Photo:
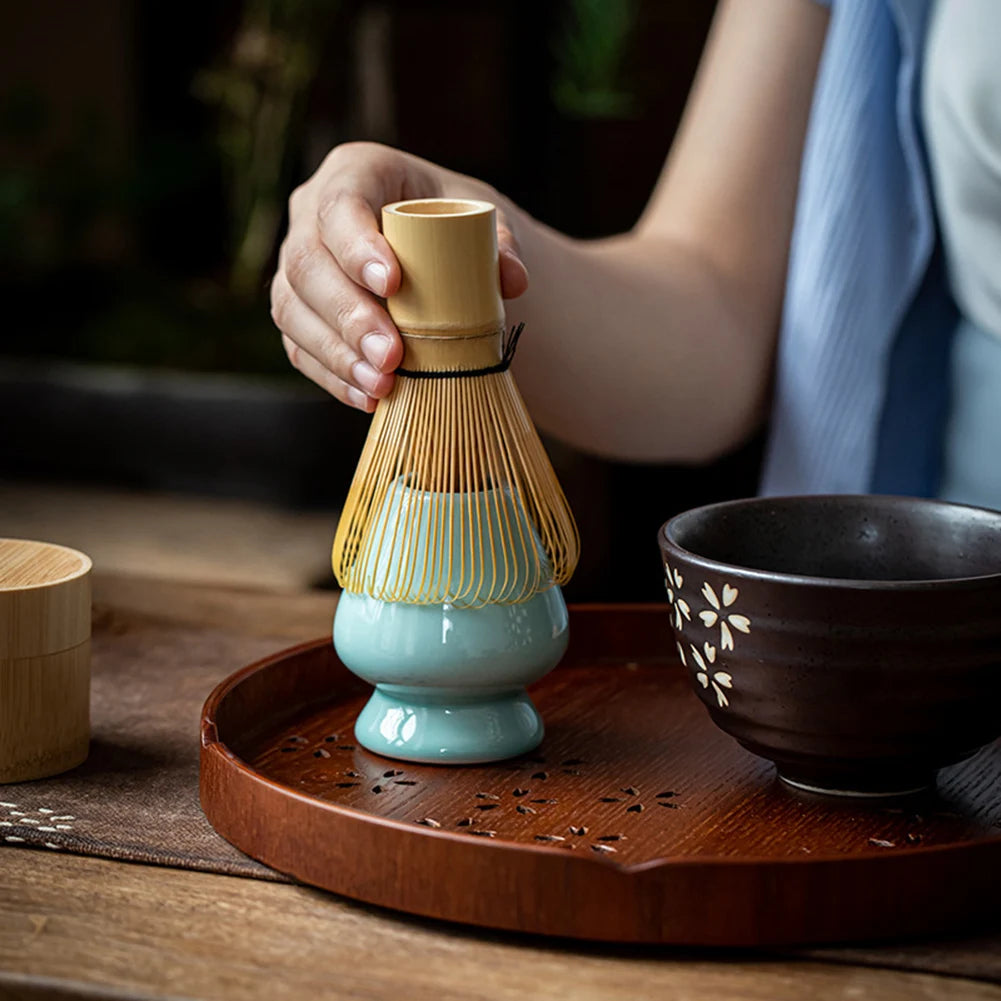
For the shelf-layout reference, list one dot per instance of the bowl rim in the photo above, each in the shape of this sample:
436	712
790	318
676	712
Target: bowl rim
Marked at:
668	542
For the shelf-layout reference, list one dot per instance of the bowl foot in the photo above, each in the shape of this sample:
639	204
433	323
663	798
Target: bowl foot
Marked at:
849	789
448	726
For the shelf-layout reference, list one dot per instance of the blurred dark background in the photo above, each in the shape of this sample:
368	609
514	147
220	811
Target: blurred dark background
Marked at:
148	150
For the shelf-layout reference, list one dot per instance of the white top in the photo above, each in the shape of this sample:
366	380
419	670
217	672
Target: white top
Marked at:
962	116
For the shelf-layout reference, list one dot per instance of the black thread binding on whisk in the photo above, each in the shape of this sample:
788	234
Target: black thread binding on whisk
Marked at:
507	356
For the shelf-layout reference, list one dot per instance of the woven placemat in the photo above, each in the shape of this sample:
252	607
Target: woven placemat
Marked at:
136	797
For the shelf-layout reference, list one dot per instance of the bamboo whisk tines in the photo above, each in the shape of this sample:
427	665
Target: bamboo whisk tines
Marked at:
454	499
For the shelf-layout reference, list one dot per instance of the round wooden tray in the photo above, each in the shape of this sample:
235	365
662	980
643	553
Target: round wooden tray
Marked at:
637	820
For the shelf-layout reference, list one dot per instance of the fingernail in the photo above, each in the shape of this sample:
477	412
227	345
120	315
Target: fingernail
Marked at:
375	275
365	376
357	398
376	348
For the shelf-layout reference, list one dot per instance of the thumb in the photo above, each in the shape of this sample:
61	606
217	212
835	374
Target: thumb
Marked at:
513	273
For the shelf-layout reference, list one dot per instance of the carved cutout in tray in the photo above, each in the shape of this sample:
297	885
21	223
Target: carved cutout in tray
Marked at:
637	820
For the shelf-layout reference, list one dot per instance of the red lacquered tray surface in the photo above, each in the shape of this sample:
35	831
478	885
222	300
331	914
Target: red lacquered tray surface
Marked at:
637	820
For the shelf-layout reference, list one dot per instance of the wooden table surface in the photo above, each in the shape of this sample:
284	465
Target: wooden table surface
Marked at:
75	927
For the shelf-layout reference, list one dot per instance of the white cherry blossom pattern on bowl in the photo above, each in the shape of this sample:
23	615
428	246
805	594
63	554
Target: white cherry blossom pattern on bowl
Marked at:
717	614
705	671
673	582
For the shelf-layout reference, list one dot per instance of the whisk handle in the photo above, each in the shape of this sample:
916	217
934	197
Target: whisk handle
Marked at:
447	249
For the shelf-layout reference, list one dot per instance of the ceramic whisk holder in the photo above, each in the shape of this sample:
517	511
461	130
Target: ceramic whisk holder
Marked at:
450	677
450	682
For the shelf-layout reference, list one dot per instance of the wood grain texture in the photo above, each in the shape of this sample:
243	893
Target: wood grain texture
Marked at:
44	714
192	540
80	927
254	613
638	820
25	563
44	598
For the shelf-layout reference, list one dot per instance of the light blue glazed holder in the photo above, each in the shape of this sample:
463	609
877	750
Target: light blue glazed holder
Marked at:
450	677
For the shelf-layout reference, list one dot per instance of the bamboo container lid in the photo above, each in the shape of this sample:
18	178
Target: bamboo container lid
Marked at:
45	610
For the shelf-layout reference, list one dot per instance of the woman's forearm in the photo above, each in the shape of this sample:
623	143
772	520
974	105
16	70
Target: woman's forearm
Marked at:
636	349
658	344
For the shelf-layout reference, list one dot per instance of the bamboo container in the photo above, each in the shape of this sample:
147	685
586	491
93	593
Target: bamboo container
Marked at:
45	611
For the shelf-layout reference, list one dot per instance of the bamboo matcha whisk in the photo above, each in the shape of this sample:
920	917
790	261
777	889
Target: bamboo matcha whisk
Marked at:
454	499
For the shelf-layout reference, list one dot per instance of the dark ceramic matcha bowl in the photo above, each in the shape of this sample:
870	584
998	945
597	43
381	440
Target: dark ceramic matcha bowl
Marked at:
854	641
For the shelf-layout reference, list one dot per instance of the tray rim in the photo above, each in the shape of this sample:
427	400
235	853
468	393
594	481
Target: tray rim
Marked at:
211	743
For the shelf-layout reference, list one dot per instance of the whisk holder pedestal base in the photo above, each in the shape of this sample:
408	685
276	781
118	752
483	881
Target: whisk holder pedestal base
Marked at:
448	726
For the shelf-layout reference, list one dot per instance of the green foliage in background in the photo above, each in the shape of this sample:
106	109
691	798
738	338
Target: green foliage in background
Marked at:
73	284
49	205
592	66
99	265
73	215
260	90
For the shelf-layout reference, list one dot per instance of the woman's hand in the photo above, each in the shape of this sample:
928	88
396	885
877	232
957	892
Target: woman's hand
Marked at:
334	266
